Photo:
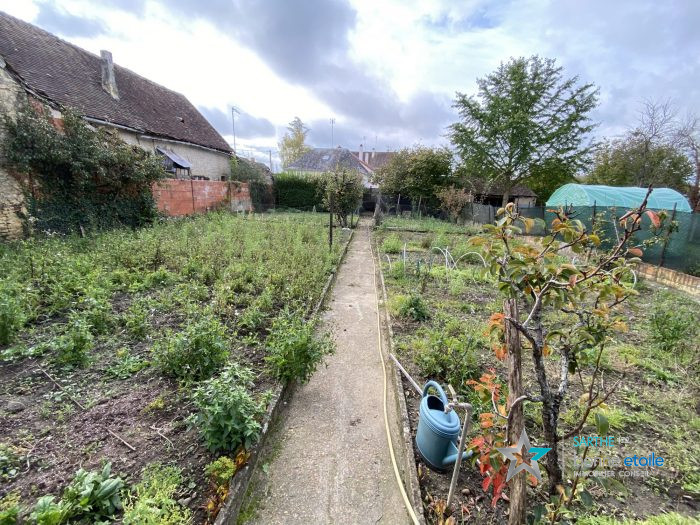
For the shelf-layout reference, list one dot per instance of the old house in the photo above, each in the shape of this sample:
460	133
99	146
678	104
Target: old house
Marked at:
374	159
39	68
322	160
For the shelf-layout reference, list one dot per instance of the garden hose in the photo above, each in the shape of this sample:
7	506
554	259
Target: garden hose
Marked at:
399	481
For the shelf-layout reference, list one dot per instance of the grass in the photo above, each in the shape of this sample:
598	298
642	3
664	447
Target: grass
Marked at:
153	314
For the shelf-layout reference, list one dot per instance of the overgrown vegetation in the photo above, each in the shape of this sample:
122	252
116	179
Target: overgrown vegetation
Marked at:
153	501
197	299
299	191
79	178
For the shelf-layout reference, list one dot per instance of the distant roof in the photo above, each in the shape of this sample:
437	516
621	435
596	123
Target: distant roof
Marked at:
374	159
326	159
623	197
72	77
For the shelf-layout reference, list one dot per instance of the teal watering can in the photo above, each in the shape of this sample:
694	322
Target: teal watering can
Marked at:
437	437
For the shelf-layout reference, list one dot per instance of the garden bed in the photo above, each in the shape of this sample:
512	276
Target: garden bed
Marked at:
438	319
103	344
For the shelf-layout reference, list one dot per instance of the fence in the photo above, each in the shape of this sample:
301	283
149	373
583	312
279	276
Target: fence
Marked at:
679	250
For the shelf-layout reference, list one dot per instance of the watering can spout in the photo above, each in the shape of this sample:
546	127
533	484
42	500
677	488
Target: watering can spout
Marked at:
451	458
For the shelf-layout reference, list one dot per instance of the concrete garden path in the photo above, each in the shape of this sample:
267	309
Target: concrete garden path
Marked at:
328	460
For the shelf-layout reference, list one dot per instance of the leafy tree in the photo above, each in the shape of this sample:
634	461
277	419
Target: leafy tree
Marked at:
245	170
453	200
585	297
417	172
345	188
549	176
632	161
293	144
526	116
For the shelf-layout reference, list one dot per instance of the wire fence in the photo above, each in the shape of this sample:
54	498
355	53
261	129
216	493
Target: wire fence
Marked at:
677	248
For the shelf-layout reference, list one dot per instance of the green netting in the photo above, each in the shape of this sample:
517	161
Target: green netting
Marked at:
610	196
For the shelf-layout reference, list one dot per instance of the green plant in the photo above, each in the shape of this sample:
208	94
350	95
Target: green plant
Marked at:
410	307
392	244
10	509
117	191
12	317
227	413
672	329
135	320
153	501
126	364
90	496
73	347
195	353
343	188
221	470
294	351
298	191
447	357
10	458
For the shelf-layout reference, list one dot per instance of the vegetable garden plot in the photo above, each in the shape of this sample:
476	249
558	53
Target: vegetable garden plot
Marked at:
439	317
149	350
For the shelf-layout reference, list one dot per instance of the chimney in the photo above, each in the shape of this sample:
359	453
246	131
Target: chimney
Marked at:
361	153
109	84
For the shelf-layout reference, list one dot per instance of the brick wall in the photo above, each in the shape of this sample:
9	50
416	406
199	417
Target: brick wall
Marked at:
183	197
672	278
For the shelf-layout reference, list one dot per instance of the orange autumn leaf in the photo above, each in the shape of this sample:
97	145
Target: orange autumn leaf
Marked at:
654	218
546	350
635	251
500	351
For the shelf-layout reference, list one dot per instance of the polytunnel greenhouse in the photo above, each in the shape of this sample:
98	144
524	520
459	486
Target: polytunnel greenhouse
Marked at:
610	196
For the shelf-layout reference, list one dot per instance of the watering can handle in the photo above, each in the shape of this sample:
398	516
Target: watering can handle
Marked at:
437	387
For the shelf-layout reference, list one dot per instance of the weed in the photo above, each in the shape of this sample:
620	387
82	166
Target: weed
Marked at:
195	353
73	347
12	317
409	307
126	364
392	244
155	405
135	320
10	509
294	351
10	459
227	413
91	496
672	329
152	501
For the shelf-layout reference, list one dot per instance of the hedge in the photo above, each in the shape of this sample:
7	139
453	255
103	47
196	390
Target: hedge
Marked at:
302	192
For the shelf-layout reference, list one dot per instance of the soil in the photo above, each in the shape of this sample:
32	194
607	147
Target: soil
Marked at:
55	437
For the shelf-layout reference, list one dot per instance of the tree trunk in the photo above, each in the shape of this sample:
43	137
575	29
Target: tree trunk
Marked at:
550	418
518	489
506	196
378	210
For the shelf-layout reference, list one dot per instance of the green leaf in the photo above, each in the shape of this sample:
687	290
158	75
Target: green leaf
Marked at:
601	423
586	498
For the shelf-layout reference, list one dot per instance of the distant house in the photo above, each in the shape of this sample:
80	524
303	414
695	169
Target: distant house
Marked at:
321	160
374	159
39	68
492	194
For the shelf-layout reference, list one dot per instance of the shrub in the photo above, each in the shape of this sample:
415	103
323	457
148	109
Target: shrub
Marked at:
221	470
450	358
409	307
453	201
392	244
344	187
294	351
152	501
126	364
135	320
298	191
227	413
670	329
73	347
194	353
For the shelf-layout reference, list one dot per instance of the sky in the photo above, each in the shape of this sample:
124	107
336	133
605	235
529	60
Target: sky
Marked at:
385	71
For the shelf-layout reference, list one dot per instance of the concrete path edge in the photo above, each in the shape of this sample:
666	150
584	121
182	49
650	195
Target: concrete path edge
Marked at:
409	471
240	482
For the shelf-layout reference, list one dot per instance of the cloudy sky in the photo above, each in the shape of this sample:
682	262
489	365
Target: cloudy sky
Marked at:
385	71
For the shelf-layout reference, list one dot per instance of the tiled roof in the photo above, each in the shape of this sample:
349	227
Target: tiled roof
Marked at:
374	159
71	77
326	159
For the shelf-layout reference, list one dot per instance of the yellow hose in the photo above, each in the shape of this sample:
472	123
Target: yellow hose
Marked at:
406	501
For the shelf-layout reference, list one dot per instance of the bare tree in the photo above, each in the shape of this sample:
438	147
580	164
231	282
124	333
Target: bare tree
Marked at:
688	138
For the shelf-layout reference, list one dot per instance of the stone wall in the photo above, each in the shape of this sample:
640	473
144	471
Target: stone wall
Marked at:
208	163
185	197
12	206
